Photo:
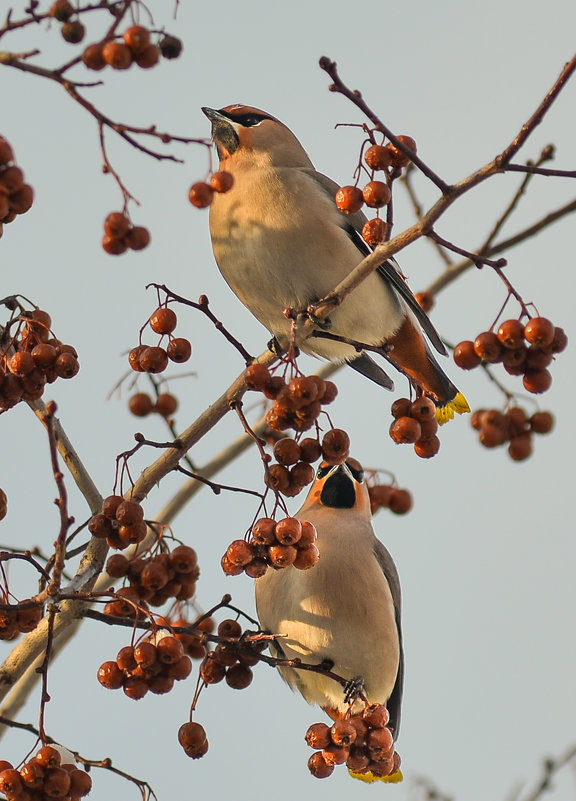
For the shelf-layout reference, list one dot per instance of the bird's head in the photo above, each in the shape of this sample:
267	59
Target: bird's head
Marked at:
340	487
241	132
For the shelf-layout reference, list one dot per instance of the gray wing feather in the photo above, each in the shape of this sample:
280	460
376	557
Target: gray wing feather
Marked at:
390	270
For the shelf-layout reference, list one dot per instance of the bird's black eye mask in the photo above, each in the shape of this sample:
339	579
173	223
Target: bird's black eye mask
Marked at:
357	473
247	120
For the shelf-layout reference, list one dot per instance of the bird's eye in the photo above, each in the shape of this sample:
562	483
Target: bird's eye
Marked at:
323	470
250	120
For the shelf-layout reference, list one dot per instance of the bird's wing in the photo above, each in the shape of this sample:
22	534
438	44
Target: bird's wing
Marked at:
389	569
390	270
367	367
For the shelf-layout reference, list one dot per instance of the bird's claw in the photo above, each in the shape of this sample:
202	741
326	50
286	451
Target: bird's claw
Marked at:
353	689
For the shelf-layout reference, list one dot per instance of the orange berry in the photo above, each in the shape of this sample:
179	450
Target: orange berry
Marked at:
488	347
110	675
6	153
378	157
541	422
141	404
465	355
539	331
136	38
397	157
520	447
306	557
537	381
318	735
201	195
288	531
92	57
240	553
222	181
400	501
343	733
117	55
318	766
264	531
179	350
376	194
405	430
117	224
423	409
373	232
349	199
282	555
153	360
11	179
335	446
163	320
239	676
166	404
511	334
426	448
114	246
425	300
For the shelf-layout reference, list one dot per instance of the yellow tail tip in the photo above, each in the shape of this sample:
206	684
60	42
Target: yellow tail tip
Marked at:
458	405
393	778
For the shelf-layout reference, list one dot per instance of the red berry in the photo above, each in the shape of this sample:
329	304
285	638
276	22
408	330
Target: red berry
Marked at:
166	404
179	350
465	355
397	157
117	224
137	38
511	334
400	501
488	347
201	195
117	55
141	404
405	430
373	232
376	194
539	331
222	181
537	381
335	446
378	157
541	422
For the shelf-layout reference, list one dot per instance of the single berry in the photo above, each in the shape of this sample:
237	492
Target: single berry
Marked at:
73	32
377	157
136	38
511	334
465	355
376	194
179	350
539	331
222	181
141	404
373	232
117	55
201	195
170	46
349	199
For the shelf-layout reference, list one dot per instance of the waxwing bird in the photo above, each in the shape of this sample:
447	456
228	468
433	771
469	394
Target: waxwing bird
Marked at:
345	610
280	242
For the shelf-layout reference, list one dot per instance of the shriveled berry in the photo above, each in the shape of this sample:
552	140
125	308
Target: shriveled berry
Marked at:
257	376
134	358
80	783
397	157
560	340
192	736
343	733
110	504
349	199
377	157
302	474
201	195
318	735
179	350
129	512
211	671
240	553
373	232
257	567
110	675
278	477
183	559
318	766
288	531
11	784
287	451
376	194
376	716
380	743
264	531
306	557
170	46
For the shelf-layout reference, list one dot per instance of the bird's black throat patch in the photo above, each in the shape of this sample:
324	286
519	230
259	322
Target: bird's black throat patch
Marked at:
338	492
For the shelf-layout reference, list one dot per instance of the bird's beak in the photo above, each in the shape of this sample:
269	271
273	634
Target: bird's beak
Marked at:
223	132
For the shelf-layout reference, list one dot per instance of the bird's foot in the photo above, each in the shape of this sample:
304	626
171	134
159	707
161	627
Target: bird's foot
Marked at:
354	689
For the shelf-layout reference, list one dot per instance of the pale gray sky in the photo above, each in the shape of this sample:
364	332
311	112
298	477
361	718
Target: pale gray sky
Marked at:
487	556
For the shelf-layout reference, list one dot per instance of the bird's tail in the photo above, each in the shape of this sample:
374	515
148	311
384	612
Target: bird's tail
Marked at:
411	355
393	778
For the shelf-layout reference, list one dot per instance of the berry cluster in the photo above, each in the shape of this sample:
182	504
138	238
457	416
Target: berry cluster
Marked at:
201	194
155	579
38	359
16	197
415	424
513	427
141	404
272	544
525	350
72	30
44	777
192	738
135	46
362	741
121	523
19	618
232	660
154	359
297	404
293	468
151	665
376	194
120	235
387	496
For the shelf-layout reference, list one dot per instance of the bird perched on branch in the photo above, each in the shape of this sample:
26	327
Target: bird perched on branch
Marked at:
281	242
344	611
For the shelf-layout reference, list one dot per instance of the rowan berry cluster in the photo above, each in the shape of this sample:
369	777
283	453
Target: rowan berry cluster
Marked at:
120	235
233	660
272	544
387	496
375	194
525	350
512	426
32	358
16	197
154	579
192	738
154	358
415	424
44	777
134	46
153	665
141	404
297	404
121	523
362	742
19	618
293	468
201	193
